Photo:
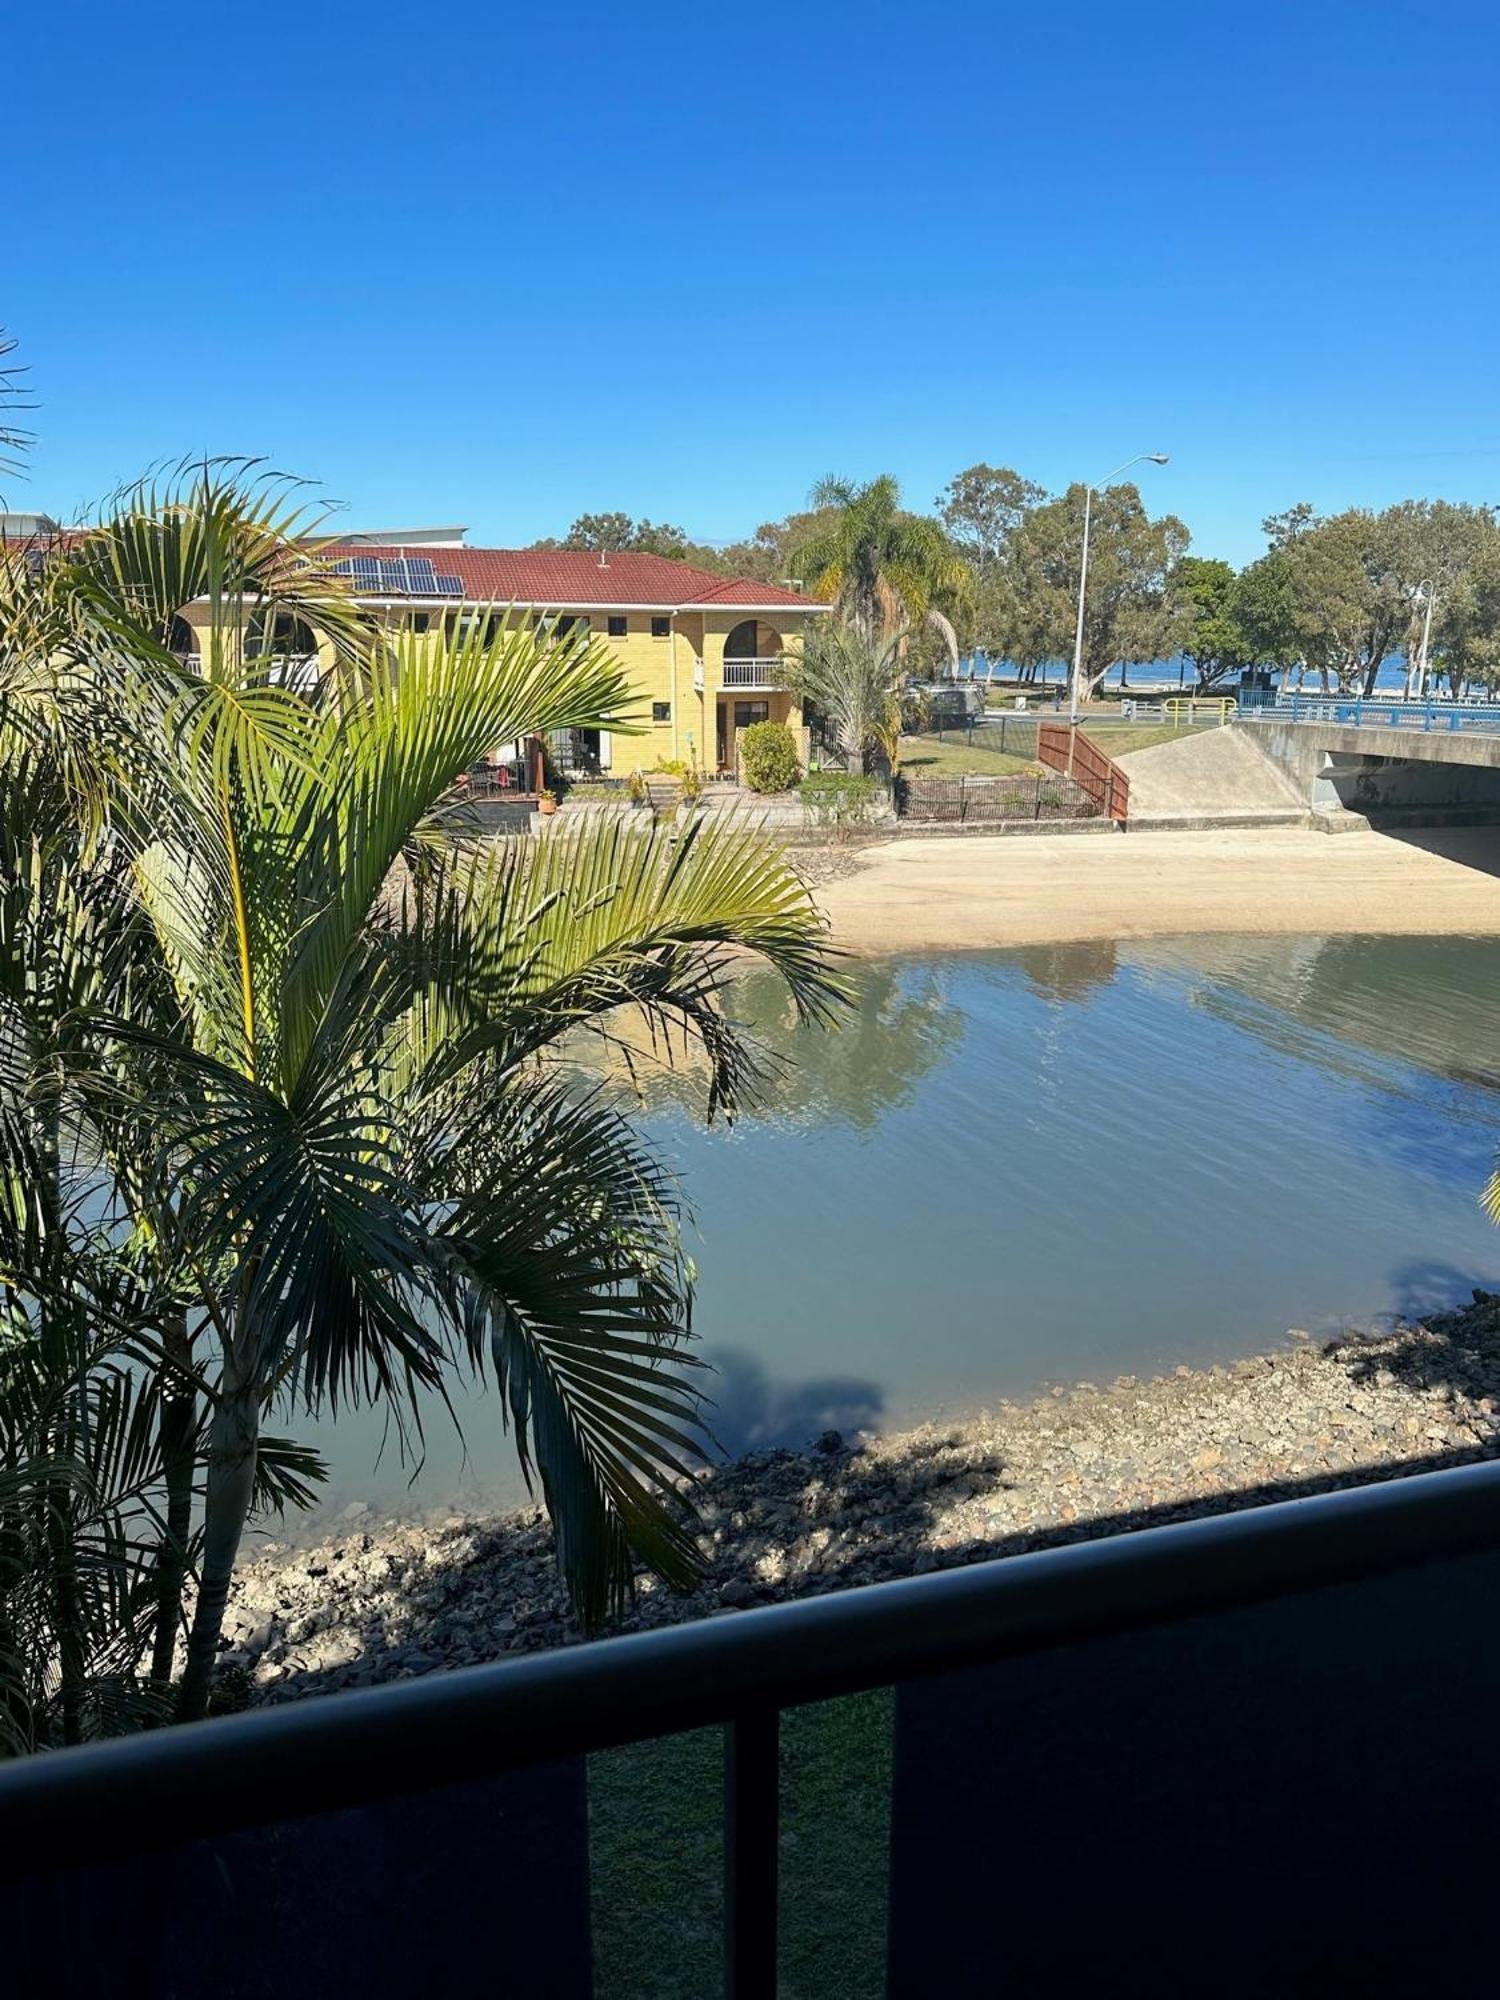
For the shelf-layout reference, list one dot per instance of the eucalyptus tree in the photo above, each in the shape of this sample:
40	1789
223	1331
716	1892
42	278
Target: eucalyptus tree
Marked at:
883	567
1357	580
1216	640
1132	614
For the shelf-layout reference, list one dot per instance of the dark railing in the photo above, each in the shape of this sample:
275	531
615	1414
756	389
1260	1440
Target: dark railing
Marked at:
969	799
1064	747
1181	1688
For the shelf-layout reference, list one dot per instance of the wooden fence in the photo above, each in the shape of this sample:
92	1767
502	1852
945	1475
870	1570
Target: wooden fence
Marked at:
1063	748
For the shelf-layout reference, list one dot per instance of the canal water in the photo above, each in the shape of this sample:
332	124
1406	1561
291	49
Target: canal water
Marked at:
1016	1168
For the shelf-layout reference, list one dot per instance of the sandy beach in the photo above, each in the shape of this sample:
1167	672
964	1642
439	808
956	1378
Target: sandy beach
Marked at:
920	895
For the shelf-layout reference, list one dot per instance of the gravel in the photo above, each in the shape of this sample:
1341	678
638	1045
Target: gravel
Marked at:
380	1603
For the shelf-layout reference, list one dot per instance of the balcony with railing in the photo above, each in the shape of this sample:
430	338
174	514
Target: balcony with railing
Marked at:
1260	1742
761	673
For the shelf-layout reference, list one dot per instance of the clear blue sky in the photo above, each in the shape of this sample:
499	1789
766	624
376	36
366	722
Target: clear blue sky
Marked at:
499	266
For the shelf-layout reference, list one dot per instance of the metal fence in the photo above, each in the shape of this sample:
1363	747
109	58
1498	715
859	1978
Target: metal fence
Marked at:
1385	713
1262	1741
969	800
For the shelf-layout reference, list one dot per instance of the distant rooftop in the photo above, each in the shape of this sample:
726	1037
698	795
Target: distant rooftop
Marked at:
556	579
406	538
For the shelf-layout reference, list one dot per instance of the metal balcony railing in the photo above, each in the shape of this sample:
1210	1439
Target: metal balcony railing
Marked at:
761	673
1267	1734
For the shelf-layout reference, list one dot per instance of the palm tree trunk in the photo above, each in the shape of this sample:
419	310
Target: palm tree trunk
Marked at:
231	1481
179	1428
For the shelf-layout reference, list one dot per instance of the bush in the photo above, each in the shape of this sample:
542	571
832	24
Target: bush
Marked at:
768	757
841	800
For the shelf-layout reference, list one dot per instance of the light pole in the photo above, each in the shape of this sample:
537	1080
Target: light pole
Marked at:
1141	458
1426	594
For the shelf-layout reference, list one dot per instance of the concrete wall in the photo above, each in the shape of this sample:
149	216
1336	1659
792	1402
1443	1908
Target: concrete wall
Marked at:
1340	768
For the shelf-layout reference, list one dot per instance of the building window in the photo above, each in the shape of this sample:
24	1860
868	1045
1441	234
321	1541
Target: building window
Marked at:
618	626
661	628
748	712
661	711
420	621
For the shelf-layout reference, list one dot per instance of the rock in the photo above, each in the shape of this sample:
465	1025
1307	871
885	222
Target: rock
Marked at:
356	1510
736	1593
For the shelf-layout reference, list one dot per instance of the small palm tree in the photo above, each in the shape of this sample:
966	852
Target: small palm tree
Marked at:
884	568
853	683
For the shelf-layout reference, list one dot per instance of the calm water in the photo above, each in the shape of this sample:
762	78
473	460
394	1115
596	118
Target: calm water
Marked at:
1062	1163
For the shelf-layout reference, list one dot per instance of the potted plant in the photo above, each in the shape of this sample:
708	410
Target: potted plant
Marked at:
546	800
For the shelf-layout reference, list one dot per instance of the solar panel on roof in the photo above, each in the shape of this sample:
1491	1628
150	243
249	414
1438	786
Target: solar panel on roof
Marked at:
449	586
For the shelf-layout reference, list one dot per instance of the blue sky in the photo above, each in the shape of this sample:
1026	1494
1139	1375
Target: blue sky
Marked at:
499	267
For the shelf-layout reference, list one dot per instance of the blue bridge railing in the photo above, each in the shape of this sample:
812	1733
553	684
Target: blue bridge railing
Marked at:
1382	712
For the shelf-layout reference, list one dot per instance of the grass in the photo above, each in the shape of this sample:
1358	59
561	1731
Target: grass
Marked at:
656	1849
953	756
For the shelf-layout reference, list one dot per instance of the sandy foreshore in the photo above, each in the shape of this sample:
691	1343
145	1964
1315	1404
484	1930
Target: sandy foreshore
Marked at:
932	894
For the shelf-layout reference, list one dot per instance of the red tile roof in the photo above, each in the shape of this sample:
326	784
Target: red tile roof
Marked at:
560	578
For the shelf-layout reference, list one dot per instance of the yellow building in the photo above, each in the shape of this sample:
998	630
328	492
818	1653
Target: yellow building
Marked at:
704	653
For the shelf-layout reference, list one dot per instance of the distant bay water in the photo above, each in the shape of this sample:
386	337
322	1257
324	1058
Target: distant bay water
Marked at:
1173	673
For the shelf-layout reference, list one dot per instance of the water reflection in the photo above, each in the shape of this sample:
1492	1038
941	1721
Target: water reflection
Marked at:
1056	1164
752	1409
1069	971
900	1026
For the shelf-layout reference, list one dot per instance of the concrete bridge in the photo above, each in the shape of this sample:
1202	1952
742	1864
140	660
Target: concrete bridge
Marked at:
1417	762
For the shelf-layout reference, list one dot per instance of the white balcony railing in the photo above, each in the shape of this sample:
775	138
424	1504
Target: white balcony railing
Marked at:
766	673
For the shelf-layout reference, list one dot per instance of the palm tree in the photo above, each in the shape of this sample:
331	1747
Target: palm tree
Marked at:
340	1131
102	1426
884	568
330	1148
853	683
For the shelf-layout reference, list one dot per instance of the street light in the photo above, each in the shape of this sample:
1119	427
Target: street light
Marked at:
1141	458
1425	595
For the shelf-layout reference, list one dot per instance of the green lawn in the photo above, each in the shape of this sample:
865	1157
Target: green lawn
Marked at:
656	1848
952	755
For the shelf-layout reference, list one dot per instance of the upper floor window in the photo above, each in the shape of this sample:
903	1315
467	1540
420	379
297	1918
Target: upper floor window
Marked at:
279	635
661	628
472	625
560	626
182	640
619	625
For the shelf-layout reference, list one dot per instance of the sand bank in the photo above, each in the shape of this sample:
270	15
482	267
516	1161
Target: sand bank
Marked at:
924	895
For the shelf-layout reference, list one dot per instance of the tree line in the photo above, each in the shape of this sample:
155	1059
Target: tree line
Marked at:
995	566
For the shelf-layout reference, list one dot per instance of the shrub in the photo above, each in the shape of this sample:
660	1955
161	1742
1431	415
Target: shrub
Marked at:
768	757
841	800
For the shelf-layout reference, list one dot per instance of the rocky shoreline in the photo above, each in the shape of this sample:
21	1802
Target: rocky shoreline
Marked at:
366	1607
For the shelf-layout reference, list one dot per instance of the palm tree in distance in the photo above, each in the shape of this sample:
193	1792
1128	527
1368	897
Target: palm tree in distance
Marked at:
885	569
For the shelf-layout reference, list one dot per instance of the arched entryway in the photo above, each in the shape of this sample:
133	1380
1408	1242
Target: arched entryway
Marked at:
753	639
